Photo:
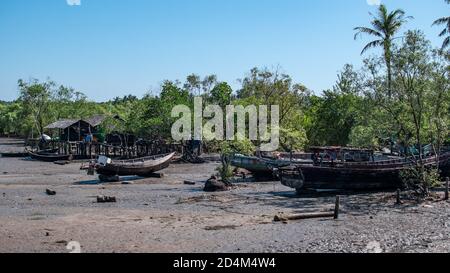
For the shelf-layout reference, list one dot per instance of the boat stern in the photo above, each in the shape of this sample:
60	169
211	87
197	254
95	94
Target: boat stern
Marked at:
291	177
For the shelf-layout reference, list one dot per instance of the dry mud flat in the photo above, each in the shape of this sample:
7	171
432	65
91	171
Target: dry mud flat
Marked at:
164	215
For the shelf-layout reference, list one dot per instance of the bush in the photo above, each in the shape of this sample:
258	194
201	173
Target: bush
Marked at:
420	179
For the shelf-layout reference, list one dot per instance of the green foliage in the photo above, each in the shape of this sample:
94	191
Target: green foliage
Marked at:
446	31
225	170
420	179
334	117
293	140
384	27
36	98
221	95
238	146
363	137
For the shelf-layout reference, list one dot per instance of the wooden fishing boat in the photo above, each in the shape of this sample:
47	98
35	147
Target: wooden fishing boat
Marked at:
258	165
145	166
13	154
49	157
26	153
354	176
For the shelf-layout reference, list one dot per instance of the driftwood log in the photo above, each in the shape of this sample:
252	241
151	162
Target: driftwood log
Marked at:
313	215
304	216
188	182
62	162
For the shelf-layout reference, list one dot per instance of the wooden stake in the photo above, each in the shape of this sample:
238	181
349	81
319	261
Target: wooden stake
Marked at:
446	188
336	208
399	202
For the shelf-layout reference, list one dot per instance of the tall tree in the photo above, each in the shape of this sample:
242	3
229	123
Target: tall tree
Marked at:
221	94
421	87
36	97
384	27
446	32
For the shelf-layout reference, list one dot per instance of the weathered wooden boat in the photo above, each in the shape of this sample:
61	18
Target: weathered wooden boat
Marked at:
26	153
14	154
354	176
145	166
48	152
258	165
48	157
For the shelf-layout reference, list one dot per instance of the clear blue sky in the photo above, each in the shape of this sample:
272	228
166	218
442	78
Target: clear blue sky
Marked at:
108	48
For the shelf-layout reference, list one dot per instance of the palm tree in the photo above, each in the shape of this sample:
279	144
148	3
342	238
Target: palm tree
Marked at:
444	21
384	27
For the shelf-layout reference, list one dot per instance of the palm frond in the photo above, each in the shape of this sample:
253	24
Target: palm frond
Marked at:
366	30
372	44
442	21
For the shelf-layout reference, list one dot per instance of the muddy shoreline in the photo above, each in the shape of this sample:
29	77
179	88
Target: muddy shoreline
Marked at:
165	215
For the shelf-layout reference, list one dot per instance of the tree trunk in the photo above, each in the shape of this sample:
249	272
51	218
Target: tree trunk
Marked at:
389	72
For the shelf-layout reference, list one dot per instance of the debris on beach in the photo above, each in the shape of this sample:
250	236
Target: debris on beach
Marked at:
155	175
189	182
213	185
202	198
106	199
50	192
215	228
62	162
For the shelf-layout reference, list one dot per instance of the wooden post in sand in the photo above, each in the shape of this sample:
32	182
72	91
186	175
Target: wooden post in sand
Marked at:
336	208
399	202
446	188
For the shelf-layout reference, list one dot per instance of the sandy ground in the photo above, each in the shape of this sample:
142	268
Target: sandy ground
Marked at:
164	215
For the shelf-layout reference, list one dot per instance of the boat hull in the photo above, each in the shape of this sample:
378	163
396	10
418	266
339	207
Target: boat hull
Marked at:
311	177
49	157
258	166
354	176
144	169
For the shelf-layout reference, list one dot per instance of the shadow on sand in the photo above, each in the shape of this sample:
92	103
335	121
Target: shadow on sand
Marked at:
122	180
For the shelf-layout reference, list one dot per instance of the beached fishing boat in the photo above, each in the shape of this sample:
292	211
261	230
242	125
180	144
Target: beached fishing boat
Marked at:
14	154
26	153
354	176
49	157
145	166
258	165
